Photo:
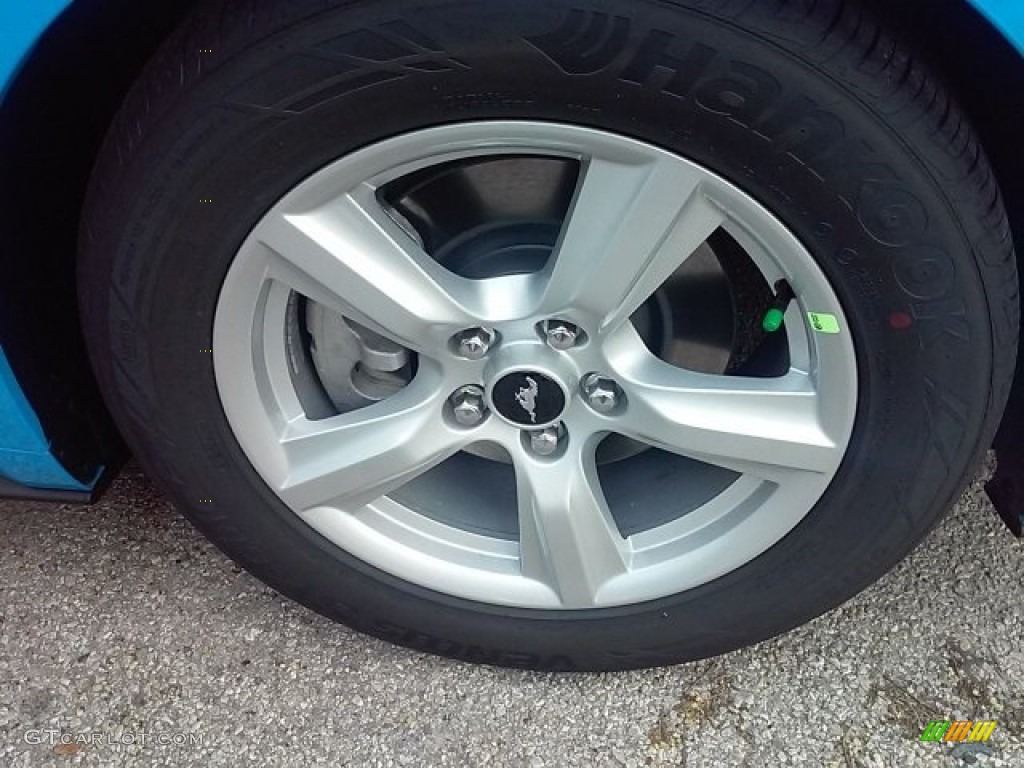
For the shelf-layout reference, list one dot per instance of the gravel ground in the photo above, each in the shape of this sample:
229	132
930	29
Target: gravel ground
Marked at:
120	624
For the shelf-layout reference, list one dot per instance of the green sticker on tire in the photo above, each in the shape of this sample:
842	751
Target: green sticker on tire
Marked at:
823	323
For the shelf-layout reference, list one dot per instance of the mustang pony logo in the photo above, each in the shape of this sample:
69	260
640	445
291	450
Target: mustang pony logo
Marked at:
527	397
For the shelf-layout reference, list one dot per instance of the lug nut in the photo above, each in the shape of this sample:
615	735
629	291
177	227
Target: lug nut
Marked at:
474	343
468	406
603	394
544	442
561	335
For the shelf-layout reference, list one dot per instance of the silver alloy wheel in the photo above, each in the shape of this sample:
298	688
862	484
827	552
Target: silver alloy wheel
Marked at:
639	212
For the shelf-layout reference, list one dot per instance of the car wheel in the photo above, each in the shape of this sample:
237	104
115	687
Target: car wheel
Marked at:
584	336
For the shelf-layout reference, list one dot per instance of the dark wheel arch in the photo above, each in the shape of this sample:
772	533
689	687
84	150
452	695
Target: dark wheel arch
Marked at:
52	121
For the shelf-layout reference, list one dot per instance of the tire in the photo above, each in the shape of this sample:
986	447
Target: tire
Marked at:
809	114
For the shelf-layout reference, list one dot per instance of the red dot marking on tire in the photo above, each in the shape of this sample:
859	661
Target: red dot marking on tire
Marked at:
900	321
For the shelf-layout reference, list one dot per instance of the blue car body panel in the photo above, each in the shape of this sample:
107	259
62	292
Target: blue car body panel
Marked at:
25	455
25	452
1007	16
21	24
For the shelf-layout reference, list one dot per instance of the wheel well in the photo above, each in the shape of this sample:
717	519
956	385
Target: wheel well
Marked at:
987	82
58	110
52	122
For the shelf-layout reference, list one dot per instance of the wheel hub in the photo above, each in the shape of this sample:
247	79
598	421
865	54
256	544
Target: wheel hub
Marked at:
529	399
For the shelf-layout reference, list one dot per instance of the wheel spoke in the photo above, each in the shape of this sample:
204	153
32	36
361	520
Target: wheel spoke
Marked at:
568	539
771	428
630	227
351	459
348	255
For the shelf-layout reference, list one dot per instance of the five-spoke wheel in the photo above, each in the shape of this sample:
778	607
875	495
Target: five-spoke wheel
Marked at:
538	366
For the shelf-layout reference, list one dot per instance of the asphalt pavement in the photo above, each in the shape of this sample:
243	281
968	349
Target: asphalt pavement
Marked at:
127	639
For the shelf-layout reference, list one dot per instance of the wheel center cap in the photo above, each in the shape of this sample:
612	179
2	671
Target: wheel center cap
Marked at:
528	398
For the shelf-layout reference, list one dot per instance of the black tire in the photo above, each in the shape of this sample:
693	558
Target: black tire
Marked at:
809	107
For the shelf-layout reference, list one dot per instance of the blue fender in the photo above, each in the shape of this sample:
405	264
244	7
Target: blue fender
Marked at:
1005	15
25	452
21	25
